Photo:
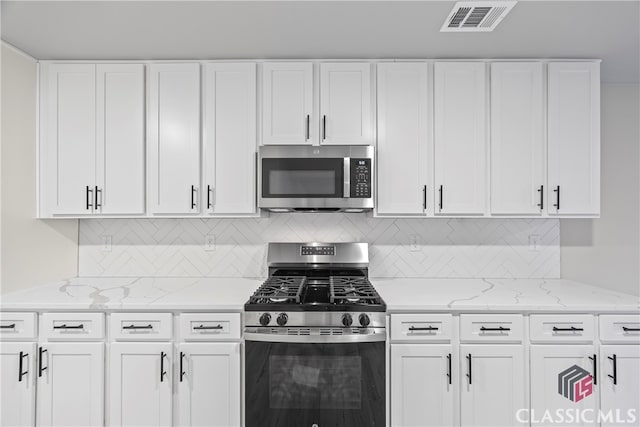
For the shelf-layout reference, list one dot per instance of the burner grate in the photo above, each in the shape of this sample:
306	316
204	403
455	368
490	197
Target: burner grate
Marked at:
352	290
279	289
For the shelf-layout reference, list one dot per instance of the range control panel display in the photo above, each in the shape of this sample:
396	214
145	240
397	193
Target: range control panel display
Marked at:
318	250
360	178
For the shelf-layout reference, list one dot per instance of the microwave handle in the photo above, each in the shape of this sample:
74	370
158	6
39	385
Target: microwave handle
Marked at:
346	189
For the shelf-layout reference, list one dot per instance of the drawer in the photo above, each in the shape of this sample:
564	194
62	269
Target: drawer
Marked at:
491	328
621	328
209	326
141	326
71	326
18	326
421	327
561	328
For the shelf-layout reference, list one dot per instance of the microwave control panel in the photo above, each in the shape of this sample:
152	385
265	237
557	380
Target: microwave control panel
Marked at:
360	178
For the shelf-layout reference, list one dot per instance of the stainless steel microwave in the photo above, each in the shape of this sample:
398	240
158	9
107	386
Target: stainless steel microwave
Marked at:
315	178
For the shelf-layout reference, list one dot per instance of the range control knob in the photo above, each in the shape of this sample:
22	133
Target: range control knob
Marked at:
265	319
282	319
347	320
364	320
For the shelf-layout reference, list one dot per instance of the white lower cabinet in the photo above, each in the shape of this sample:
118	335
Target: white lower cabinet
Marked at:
209	384
70	379
619	384
17	385
140	384
422	387
563	383
492	379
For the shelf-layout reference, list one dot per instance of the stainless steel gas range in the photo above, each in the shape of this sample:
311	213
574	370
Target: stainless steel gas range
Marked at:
315	340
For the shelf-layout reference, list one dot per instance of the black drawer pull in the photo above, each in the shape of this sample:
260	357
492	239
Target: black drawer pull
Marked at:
626	329
205	328
557	203
134	327
469	367
594	359
614	377
162	371
424	197
449	367
307	133
541	191
182	373
65	326
11	326
571	329
425	328
41	369
498	329
23	373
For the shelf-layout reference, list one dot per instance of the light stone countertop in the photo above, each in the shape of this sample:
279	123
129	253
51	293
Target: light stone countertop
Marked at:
411	295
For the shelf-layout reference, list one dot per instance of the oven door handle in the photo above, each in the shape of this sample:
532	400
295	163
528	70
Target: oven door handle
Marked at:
346	189
375	336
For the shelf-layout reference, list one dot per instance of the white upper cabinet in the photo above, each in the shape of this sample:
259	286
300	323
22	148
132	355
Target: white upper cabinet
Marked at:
574	138
345	104
92	139
404	155
460	126
287	103
174	139
229	112
517	140
68	139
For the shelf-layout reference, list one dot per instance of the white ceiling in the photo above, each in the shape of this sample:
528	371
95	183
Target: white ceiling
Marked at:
88	30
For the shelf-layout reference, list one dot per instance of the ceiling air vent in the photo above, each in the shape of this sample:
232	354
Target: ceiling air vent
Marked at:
477	16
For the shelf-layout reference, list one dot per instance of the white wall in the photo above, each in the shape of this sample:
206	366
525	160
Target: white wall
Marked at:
33	251
606	251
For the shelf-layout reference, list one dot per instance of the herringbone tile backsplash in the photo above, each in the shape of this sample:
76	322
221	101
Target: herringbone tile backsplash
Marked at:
482	247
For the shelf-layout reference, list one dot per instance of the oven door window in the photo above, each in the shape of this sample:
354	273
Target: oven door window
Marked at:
302	177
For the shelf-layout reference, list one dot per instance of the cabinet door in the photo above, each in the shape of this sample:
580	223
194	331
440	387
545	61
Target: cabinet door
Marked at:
140	384
492	384
287	103
574	138
17	391
422	389
460	137
561	379
345	104
120	139
174	138
230	138
68	137
620	382
517	143
71	387
404	162
209	384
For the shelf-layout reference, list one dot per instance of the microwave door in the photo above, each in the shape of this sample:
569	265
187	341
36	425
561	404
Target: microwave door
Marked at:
303	178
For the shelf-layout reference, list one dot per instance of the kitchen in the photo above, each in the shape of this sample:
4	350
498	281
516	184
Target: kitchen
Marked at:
320	213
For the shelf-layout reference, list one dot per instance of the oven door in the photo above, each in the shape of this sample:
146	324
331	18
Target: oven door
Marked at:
315	384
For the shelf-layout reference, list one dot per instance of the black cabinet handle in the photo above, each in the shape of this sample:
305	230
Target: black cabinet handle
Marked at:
541	191
426	328
307	133
498	329
88	202
97	204
209	198
571	329
193	197
65	326
469	367
557	191
41	369
440	190
162	371
134	327
182	373
614	377
424	197
626	329
594	359
449	367
11	326
20	372
324	127
202	327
